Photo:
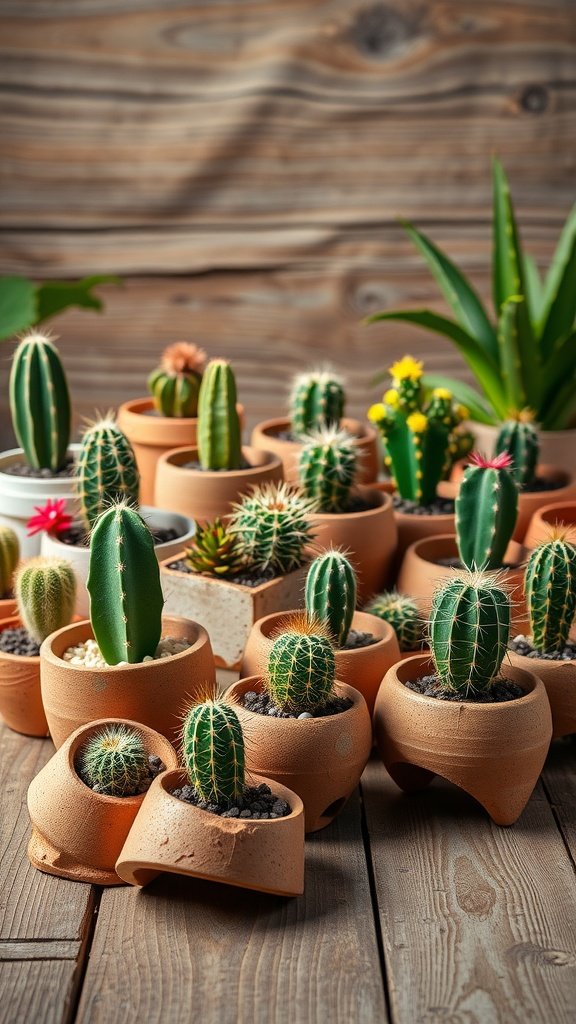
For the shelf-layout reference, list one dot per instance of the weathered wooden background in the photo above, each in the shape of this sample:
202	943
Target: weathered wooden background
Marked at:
241	164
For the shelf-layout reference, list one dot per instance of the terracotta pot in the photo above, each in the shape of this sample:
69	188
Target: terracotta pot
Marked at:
530	501
154	693
363	668
321	758
413	527
202	494
172	836
152	435
543	521
265	436
77	833
368	537
8	608
19	495
494	752
20	698
228	610
559	678
556	446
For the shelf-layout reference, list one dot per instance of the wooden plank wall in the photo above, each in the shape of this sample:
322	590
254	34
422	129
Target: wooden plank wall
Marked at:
241	164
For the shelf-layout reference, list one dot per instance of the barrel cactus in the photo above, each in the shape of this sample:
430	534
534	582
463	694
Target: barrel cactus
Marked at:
113	761
213	752
175	384
331	594
272	527
40	402
215	551
327	467
9	555
486	511
106	470
219	435
550	586
317	400
519	437
45	590
301	670
402	613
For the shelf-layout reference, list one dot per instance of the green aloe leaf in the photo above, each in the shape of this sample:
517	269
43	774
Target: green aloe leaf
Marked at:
560	290
534	289
510	325
507	259
559	369
464	393
17	305
561	413
55	296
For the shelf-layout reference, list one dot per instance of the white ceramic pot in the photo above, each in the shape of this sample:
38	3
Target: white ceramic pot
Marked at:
19	496
557	447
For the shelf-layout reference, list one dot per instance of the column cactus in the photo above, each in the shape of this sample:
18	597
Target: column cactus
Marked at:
106	470
486	511
175	384
317	400
219	441
45	590
327	467
114	762
301	669
40	402
550	587
402	613
330	594
9	555
213	752
519	437
272	527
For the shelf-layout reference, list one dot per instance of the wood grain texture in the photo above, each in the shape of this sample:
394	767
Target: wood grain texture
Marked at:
559	780
38	992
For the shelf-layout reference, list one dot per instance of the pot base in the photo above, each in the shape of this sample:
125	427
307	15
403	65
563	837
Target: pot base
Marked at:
45	857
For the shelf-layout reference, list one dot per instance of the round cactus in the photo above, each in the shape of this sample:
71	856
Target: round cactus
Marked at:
9	555
331	594
215	551
550	586
45	590
403	615
486	511
272	527
219	440
213	752
106	470
317	400
40	402
519	437
301	670
175	384
327	467
114	762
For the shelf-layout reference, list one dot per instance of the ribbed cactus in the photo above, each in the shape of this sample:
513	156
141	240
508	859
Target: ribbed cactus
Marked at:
272	527
327	467
106	470
40	402
486	511
469	631
124	586
462	443
114	762
213	752
317	400
550	586
331	594
214	550
519	437
9	555
301	670
45	589
219	440
175	384
402	613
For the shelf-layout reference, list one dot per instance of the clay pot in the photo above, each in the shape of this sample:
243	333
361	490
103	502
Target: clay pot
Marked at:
172	836
77	833
203	494
8	608
530	501
411	528
154	693
265	436
363	668
369	538
494	752
559	678
20	698
321	758
545	519
556	446
19	495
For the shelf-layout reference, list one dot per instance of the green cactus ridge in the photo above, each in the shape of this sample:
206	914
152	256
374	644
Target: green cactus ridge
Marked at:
331	594
402	613
550	586
317	400
486	512
45	590
114	762
301	671
327	467
213	752
9	555
219	435
520	439
175	384
106	470
40	402
272	527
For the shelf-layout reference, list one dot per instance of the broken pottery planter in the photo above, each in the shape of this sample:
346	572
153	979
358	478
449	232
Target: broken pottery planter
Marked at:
20	697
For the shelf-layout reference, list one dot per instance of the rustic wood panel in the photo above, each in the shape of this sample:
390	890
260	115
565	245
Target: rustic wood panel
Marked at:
37	992
559	779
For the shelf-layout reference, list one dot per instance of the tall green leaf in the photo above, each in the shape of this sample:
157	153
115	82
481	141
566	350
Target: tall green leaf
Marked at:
558	371
507	260
17	305
510	362
534	289
479	410
55	296
560	291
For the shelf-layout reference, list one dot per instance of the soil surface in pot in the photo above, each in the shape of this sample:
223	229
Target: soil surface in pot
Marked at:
19	641
88	653
542	484
257	802
501	691
438	507
262	704
155	766
23	469
194	464
247	578
77	537
523	645
356	639
455	563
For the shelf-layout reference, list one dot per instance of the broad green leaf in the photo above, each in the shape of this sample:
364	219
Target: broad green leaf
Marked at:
55	296
17	305
560	307
507	261
464	393
558	371
510	361
562	412
534	289
560	258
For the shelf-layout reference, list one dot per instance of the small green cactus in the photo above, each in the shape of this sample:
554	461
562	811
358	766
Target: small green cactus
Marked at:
106	470
175	384
40	402
114	762
215	551
331	594
317	401
519	437
461	445
213	751
219	435
327	467
272	527
301	669
45	590
402	613
550	587
124	585
9	555
486	511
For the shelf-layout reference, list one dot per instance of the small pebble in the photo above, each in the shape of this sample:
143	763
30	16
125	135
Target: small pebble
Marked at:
305	714
88	653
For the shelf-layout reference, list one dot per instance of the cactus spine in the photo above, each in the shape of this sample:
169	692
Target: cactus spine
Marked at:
114	762
519	437
272	527
219	445
40	402
331	594
317	400
124	586
301	670
175	384
9	555
550	586
213	751
106	470
486	511
327	467
402	613
45	590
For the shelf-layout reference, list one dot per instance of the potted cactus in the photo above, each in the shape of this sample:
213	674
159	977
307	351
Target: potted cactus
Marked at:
364	646
317	400
465	714
127	661
9	558
402	613
83	802
209	820
303	725
233	574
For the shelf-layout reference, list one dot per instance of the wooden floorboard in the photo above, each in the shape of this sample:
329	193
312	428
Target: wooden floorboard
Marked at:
559	781
37	992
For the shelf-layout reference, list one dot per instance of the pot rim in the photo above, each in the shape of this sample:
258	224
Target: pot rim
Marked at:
415	551
384	505
400	672
545	510
548	664
342	689
296	805
135	407
272	427
145	511
338	651
167	459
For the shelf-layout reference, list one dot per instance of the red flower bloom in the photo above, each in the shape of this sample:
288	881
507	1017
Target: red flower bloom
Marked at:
51	518
501	461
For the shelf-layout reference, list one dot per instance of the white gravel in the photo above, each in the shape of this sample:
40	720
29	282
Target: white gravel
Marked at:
88	653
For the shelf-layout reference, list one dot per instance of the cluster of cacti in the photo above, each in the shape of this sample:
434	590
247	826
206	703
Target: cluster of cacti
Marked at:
215	550
550	586
330	594
402	613
219	434
213	752
45	590
417	432
461	444
519	437
327	467
175	384
469	631
124	585
9	555
106	470
113	761
317	400
272	527
40	402
486	511
301	669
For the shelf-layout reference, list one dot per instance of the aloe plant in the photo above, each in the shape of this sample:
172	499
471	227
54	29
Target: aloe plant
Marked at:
526	356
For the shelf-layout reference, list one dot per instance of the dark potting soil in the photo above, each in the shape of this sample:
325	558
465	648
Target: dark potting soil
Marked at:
18	641
257	802
247	578
438	507
77	537
523	645
194	464
542	484
502	690
261	704
285	435
455	563
357	638
23	469
360	503
155	766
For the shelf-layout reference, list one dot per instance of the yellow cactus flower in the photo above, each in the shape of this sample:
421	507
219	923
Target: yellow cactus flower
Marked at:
391	397
417	422
463	412
442	393
407	367
377	412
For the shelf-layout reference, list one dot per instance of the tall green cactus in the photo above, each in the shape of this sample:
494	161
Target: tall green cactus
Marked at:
550	586
272	527
124	586
486	511
327	467
219	440
301	670
175	384
106	470
331	594
213	751
114	762
9	555
469	631
45	590
317	400
402	613
40	402
519	437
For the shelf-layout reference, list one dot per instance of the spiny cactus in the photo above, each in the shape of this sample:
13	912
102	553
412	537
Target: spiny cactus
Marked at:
9	555
486	511
272	527
175	384
213	751
317	400
327	467
114	762
301	669
469	631
45	590
106	470
214	550
331	594
40	402
550	587
402	613
519	437
219	441
461	445
124	586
